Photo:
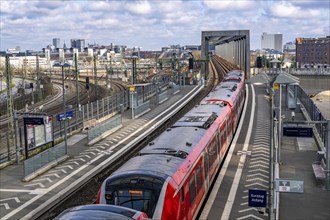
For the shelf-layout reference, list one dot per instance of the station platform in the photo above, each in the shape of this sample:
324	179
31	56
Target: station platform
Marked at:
27	200
247	167
297	155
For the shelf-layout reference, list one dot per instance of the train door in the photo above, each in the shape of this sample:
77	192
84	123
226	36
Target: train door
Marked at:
223	139
196	190
206	168
229	127
184	206
212	157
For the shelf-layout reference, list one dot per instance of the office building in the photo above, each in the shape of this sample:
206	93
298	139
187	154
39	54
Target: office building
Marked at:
78	43
271	41
289	47
56	43
313	51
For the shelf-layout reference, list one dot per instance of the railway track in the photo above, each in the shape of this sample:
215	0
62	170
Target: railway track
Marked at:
86	194
53	105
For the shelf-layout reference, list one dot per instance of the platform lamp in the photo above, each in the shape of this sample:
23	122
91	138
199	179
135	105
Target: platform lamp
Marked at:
134	58
62	65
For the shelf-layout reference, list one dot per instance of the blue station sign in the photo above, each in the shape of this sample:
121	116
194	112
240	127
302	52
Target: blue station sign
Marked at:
257	198
69	115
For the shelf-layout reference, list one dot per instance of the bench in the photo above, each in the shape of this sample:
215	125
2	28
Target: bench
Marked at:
318	168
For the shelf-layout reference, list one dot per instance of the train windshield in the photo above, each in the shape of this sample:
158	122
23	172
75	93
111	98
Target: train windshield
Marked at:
139	193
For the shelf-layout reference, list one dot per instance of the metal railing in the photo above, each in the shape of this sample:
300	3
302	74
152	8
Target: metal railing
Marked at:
313	112
94	110
91	111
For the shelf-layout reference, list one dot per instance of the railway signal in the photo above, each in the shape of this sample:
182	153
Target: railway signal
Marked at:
87	83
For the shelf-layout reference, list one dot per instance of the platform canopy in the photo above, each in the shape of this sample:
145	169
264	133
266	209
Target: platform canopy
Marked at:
260	78
284	78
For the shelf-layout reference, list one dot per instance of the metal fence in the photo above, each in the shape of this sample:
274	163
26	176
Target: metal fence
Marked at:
313	112
301	72
94	110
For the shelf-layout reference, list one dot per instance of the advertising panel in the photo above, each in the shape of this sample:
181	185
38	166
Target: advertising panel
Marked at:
38	131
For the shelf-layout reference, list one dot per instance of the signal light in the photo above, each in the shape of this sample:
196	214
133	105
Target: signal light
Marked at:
191	63
87	83
259	62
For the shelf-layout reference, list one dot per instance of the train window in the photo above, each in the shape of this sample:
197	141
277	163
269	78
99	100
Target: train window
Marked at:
140	200
199	178
134	191
192	189
182	194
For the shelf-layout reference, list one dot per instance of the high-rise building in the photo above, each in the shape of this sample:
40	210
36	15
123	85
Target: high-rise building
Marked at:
56	43
78	43
271	41
289	47
313	51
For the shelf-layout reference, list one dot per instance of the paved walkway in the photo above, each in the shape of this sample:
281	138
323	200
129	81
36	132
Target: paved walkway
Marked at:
296	156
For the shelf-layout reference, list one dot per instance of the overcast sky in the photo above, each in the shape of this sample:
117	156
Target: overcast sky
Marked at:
152	24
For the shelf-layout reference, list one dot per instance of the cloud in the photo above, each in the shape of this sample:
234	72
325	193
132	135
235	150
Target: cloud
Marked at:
288	10
139	7
33	24
226	4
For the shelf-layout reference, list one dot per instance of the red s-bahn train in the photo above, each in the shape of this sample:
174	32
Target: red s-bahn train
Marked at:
170	177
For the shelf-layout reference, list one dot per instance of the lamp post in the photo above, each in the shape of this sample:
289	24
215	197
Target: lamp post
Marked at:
1	81
134	57
62	65
157	86
191	67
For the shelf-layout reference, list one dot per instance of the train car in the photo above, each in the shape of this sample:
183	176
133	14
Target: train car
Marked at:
170	177
100	212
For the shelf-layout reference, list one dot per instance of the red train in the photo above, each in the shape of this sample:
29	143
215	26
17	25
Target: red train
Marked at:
170	177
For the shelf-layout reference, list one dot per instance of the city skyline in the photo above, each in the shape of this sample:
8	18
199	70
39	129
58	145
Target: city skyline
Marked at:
152	24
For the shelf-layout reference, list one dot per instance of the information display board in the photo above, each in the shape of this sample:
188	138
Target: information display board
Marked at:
38	132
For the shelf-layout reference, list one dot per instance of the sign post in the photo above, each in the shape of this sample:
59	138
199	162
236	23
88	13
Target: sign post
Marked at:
258	198
291	186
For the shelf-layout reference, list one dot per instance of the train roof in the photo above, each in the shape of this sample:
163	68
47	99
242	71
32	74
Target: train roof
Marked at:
237	73
161	165
223	92
201	116
166	153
